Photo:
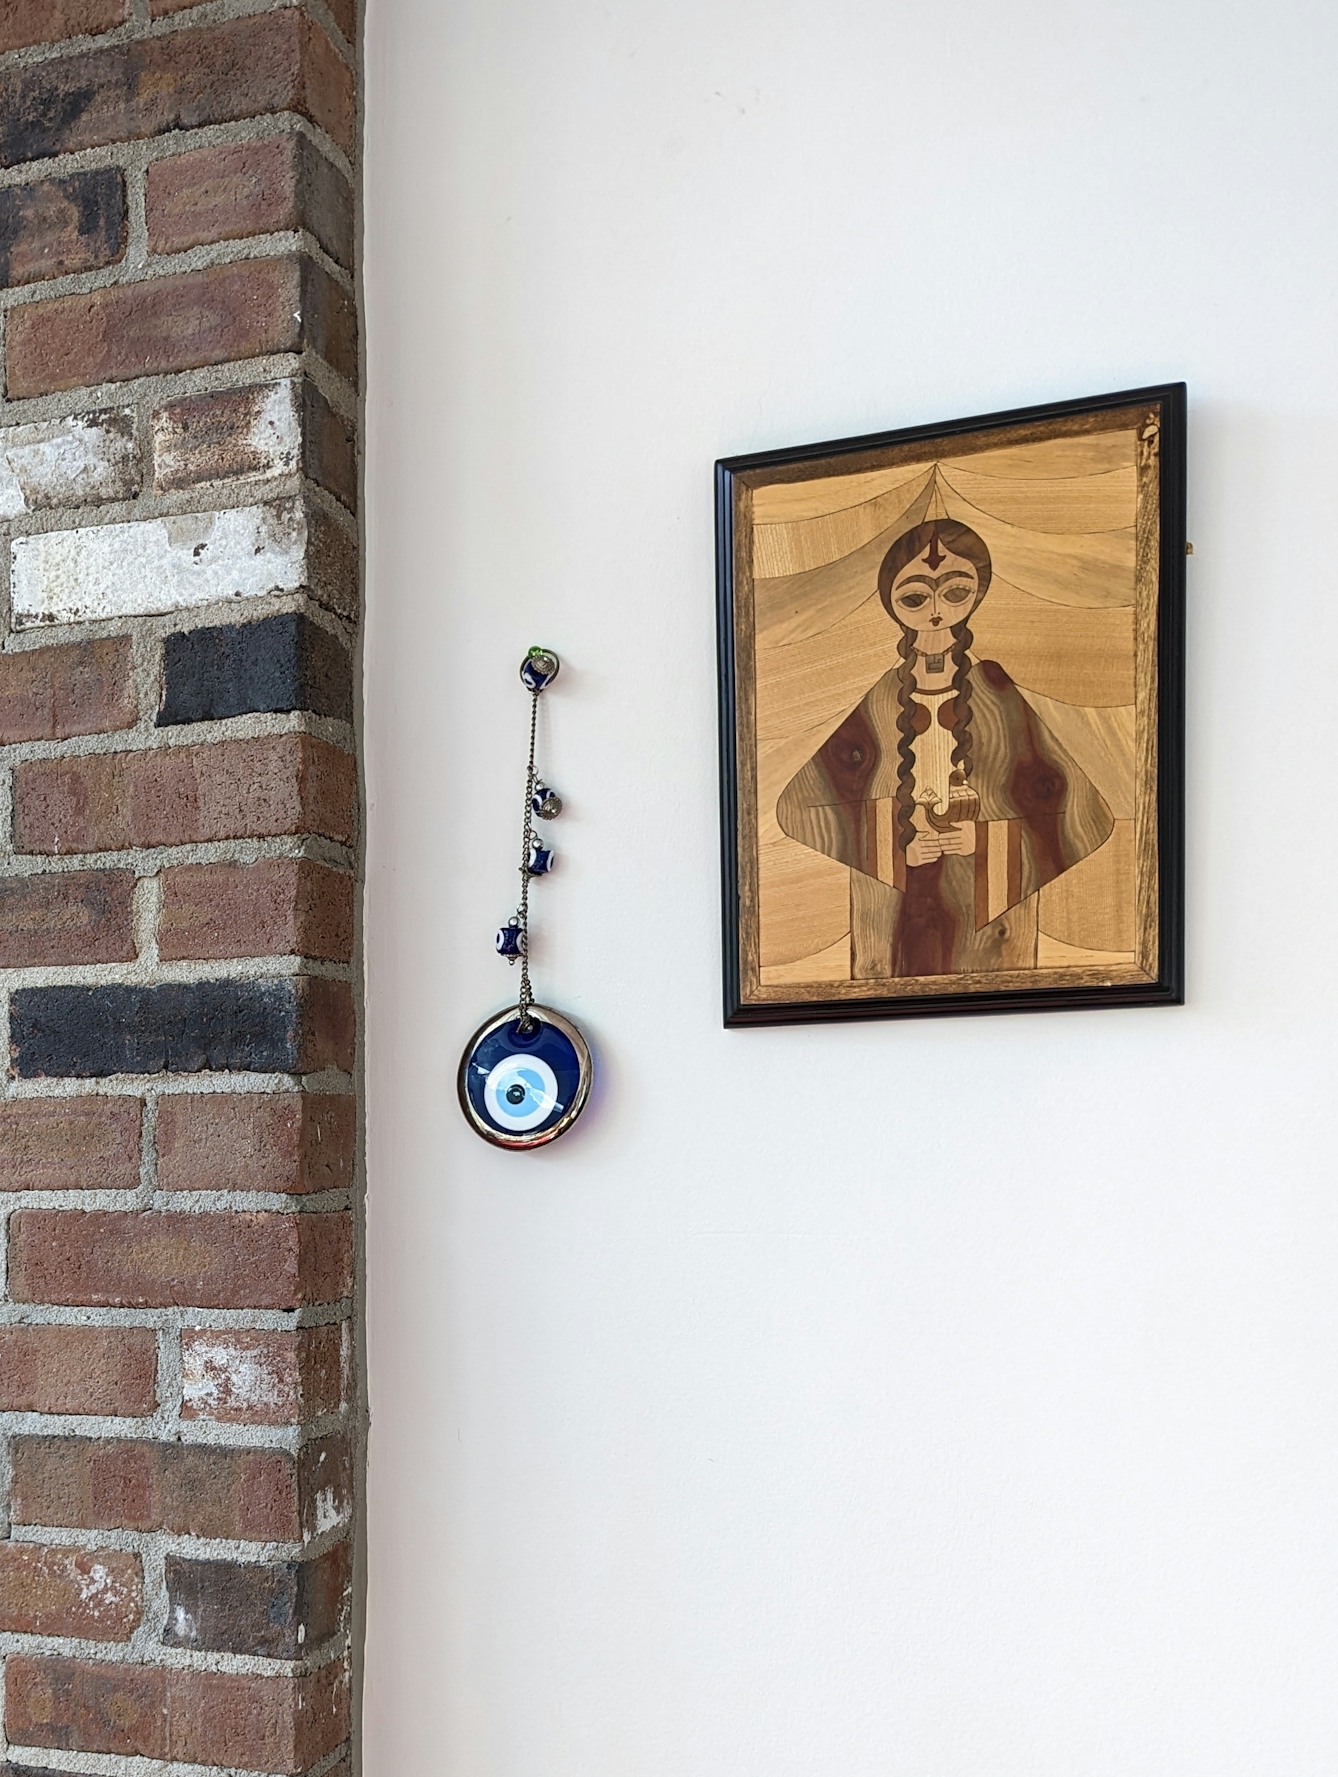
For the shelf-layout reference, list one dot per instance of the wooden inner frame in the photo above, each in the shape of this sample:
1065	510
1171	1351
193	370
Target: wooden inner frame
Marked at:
1154	972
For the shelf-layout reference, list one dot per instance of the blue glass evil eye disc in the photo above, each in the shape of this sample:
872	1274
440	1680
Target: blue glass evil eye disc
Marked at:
522	1088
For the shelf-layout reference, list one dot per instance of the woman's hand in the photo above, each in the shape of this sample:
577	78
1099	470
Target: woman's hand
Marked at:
925	848
959	841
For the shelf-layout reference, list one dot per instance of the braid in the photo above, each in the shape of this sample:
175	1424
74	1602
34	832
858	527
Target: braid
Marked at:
905	804
961	701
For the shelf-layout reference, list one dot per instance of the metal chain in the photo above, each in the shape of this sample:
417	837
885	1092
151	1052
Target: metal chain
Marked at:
527	840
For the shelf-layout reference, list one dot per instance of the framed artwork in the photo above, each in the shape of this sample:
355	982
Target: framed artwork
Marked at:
952	728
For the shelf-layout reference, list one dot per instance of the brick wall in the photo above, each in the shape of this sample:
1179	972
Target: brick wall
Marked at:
178	831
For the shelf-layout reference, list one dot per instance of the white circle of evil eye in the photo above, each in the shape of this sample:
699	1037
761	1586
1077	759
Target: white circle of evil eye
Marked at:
520	1093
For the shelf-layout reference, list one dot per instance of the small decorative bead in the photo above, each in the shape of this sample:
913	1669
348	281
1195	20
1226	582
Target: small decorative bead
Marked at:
546	803
511	941
542	859
539	668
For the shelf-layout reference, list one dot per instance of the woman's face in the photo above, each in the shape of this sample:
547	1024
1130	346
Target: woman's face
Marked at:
931	600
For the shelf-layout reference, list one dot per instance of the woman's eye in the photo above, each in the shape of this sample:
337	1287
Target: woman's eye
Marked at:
913	600
955	595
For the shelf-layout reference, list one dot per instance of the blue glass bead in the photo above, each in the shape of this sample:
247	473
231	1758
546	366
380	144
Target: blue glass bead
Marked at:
546	803
542	859
511	941
539	668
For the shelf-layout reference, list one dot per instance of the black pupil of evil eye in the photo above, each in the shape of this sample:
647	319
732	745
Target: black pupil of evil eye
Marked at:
515	1094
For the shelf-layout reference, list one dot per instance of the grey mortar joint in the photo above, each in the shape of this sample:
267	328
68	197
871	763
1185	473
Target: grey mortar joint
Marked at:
161	386
161	623
137	223
148	1153
236	493
142	24
136	974
148	675
147	909
124	274
144	738
6	1478
170	143
148	861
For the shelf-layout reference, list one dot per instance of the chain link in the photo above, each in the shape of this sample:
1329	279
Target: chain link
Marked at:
527	839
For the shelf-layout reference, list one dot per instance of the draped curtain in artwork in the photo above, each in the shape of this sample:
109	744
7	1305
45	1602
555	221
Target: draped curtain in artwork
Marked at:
1058	518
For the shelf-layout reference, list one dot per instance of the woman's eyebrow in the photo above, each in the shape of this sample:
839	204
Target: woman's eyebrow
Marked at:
933	580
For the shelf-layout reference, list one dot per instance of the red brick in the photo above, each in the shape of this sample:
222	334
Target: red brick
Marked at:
278	907
83	916
329	320
329	447
54	227
69	1144
52	693
329	1027
96	1594
235	1377
250	67
79	1370
249	188
234	789
190	1489
345	14
324	1484
86	1706
275	1723
25	22
332	562
285	1142
131	1259
222	194
245	310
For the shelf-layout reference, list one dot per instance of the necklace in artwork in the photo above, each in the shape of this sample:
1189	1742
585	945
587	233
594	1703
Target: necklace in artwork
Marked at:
525	1074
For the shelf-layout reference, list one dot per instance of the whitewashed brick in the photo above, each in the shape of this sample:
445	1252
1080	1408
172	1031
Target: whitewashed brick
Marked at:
254	433
81	461
167	564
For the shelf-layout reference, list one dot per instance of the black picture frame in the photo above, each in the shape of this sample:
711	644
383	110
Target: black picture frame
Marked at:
1166	986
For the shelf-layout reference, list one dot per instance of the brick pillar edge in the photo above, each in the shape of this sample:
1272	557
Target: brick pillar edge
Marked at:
179	815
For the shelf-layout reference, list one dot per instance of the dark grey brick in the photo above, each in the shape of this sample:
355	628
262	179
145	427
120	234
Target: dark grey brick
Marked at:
281	1611
56	226
281	663
182	1028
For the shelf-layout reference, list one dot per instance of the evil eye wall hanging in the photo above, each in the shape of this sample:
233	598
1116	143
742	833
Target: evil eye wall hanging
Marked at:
525	1075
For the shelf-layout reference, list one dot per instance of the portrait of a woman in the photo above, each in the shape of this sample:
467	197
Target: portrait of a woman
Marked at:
943	790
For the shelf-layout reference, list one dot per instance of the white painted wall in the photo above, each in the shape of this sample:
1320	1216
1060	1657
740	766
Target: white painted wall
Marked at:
952	1399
